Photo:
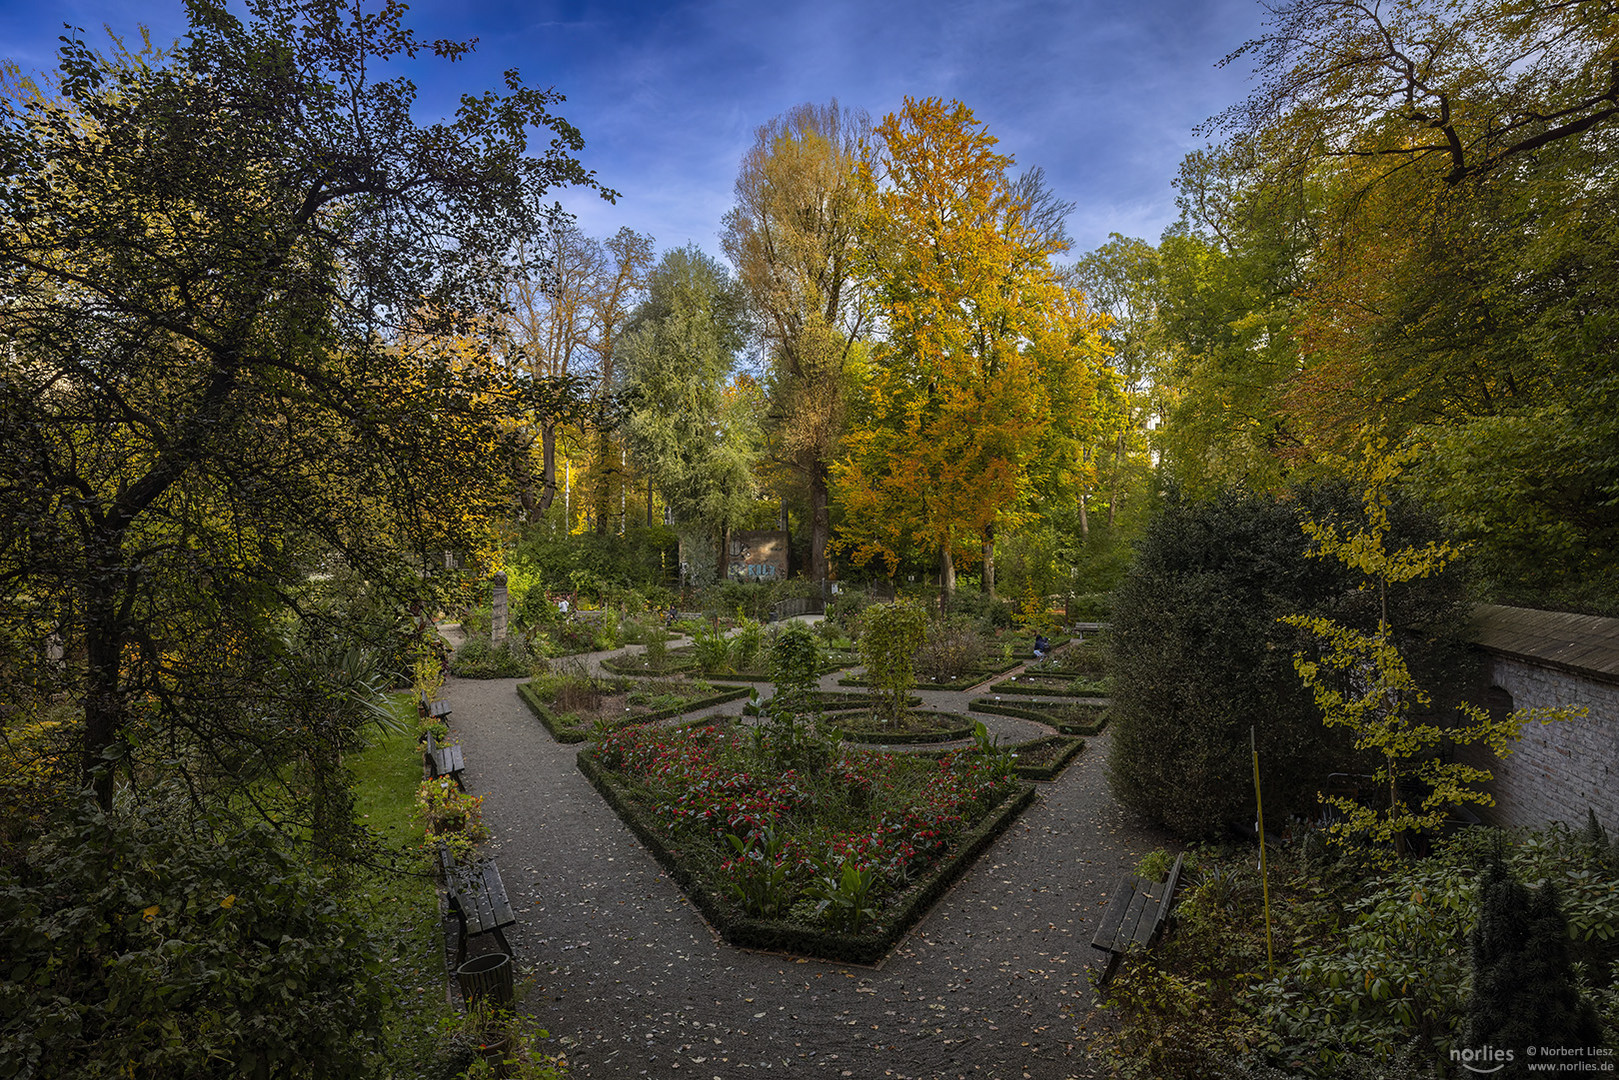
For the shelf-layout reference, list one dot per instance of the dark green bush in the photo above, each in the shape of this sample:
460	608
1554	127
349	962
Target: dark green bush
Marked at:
154	942
987	612
478	658
1198	656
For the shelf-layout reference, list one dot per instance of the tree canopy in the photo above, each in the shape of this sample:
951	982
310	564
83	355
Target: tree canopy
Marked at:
245	325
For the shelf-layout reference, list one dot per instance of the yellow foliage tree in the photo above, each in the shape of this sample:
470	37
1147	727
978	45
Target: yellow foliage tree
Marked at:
1361	681
979	329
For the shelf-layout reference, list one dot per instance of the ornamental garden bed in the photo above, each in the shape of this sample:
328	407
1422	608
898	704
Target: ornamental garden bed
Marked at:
1068	717
651	665
1039	759
1085	658
575	708
915	726
686	656
789	843
1053	684
1045	759
970	679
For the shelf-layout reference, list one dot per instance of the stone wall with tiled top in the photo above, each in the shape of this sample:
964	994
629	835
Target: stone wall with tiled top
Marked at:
1557	770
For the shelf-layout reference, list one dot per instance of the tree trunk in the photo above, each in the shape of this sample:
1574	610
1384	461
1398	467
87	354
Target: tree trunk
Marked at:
604	469
987	585
1084	519
1113	500
947	578
820	522
104	646
548	467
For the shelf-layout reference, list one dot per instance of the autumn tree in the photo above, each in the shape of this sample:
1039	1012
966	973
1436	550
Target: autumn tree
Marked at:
977	325
1447	170
612	299
550	327
688	423
569	300
209	262
792	237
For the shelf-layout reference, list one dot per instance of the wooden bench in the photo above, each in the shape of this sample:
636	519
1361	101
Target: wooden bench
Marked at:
477	899
1135	916
443	760
432	710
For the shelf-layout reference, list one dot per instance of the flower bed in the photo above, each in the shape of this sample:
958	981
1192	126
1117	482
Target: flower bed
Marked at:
916	726
1068	717
1052	683
620	702
836	859
971	679
1045	759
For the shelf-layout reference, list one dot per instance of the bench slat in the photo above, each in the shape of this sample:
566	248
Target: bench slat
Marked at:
1139	905
1113	914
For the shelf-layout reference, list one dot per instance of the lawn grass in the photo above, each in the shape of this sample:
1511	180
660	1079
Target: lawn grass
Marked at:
397	894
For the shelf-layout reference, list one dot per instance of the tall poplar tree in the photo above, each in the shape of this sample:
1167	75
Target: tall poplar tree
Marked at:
793	237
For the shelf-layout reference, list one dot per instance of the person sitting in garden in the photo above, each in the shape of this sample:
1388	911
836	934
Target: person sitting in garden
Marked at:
1041	646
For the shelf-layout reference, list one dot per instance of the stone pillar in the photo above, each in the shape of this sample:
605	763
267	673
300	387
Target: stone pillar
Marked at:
497	623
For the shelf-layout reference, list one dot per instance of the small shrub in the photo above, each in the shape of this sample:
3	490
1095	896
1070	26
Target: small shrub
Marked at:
745	643
951	649
845	610
890	636
713	652
453	819
478	658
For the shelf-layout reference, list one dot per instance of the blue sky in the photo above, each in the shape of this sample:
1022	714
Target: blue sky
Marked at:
1103	94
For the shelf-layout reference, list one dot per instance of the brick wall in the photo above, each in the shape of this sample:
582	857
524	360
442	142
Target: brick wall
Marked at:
1559	769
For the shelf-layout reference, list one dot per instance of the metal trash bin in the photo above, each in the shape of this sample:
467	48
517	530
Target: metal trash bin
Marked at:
486	980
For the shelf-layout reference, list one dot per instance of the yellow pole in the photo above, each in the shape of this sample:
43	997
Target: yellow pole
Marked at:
1264	877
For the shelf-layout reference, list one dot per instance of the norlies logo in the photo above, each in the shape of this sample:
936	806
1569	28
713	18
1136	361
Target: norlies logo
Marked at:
1484	1059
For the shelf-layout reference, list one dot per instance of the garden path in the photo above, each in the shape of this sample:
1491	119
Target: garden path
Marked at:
631	980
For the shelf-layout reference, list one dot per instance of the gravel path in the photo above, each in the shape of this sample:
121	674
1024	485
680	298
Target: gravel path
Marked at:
628	975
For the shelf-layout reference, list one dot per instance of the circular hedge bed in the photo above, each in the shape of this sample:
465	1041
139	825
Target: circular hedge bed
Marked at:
916	726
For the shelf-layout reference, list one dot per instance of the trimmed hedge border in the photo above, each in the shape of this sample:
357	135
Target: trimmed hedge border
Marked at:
569	734
746	932
1010	687
966	682
1052	771
875	738
1030	711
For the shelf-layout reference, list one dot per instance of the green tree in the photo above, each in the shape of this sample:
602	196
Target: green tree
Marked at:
234	280
1198	656
793	238
692	427
1448	175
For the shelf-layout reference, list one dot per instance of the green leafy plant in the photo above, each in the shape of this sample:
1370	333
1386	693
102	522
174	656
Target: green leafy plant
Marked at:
184	942
842	891
713	652
890	635
453	819
745	643
757	876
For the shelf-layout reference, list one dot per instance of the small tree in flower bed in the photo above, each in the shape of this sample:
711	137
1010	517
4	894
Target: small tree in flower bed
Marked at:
823	846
